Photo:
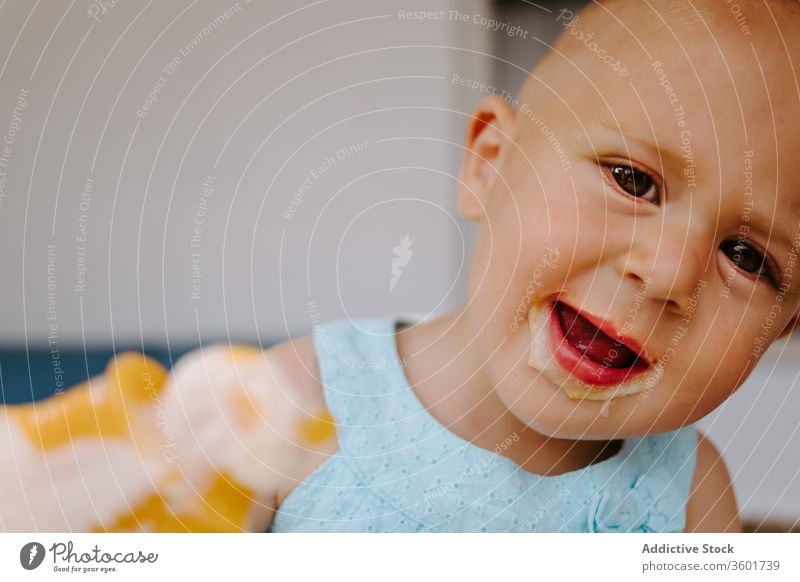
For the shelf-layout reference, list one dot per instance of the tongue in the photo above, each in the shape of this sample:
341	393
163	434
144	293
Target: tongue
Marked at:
592	342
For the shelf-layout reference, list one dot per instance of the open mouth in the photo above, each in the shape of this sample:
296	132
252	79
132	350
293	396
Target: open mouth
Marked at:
591	354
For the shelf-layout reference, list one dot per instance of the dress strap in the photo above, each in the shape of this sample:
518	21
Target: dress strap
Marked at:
354	357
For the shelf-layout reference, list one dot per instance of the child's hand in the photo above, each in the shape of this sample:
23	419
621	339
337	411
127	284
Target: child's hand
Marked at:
204	448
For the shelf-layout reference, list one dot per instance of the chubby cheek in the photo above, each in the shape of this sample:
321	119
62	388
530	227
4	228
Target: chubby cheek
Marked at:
702	374
525	253
695	393
525	250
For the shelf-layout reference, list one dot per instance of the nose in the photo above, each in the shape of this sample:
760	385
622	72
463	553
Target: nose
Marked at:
667	267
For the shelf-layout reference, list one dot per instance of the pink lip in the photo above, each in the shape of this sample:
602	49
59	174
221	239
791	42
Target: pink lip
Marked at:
587	370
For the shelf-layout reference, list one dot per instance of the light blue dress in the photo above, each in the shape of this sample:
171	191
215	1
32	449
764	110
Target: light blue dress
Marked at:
400	470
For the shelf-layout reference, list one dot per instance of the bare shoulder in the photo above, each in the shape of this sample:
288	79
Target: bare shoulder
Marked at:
712	503
294	363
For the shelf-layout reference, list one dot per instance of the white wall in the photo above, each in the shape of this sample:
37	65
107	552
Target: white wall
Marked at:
257	101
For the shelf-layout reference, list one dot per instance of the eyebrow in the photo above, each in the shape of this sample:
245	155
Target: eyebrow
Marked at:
757	220
769	227
604	122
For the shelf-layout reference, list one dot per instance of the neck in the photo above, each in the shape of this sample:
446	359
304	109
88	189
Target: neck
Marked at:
445	371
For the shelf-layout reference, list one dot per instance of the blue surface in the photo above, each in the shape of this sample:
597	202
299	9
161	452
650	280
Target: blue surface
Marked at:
38	372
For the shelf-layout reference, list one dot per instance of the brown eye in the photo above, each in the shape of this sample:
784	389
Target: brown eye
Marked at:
743	256
633	181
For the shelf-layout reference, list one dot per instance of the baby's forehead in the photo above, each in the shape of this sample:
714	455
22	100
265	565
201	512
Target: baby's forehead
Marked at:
646	63
744	16
622	32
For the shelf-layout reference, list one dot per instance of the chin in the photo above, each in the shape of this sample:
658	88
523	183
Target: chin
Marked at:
546	409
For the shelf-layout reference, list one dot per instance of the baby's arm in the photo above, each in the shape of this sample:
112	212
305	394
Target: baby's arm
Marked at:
205	447
712	503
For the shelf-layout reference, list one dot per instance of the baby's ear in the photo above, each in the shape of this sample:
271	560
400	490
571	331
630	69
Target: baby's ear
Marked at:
790	327
489	134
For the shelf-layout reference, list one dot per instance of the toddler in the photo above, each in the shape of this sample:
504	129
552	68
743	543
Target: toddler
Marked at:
639	217
638	224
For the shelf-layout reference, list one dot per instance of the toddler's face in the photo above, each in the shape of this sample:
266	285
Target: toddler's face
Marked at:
664	205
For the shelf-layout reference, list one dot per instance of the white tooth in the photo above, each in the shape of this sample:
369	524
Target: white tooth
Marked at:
541	358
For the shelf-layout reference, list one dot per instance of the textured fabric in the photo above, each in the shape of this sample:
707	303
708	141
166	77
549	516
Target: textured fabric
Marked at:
399	469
